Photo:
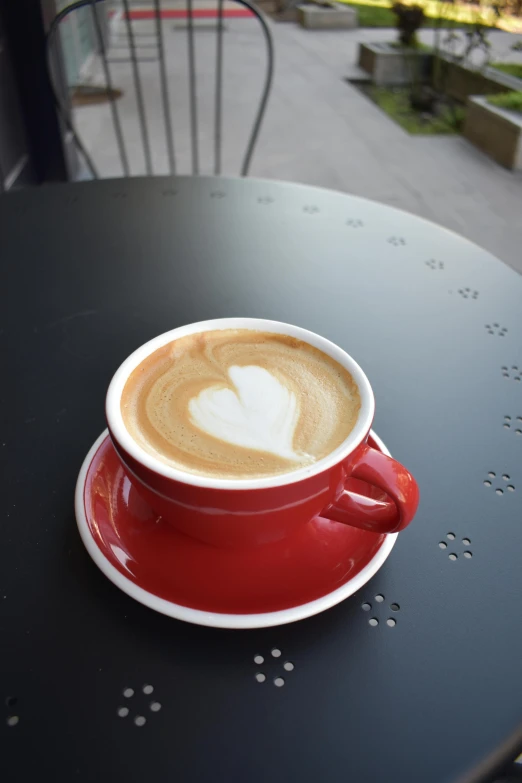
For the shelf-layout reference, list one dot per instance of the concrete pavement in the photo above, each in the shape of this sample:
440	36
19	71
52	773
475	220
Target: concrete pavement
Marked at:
319	129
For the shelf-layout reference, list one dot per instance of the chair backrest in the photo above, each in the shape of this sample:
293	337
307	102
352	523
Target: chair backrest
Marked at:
157	14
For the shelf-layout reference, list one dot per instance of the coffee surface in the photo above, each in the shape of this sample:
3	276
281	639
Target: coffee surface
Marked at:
239	403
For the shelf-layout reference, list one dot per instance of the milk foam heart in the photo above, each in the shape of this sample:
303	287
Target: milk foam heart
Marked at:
239	403
260	413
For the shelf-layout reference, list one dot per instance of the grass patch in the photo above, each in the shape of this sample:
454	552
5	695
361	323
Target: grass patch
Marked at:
419	47
512	101
373	14
396	103
514	69
377	13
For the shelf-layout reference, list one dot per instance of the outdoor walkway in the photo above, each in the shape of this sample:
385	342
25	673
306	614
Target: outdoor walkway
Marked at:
318	129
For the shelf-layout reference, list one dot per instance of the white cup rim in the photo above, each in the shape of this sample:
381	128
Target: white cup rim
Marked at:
123	437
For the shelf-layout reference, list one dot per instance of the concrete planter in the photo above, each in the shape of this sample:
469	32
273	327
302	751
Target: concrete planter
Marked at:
495	131
389	65
281	10
268	7
461	82
327	17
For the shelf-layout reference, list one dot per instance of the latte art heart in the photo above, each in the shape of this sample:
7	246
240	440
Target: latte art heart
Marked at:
259	414
238	403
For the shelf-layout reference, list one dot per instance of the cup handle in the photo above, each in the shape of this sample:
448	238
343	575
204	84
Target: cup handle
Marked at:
377	514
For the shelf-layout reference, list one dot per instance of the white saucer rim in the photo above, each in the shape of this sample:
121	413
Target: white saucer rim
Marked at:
216	619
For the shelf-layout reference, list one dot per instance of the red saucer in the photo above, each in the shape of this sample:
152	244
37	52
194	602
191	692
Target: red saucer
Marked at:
318	566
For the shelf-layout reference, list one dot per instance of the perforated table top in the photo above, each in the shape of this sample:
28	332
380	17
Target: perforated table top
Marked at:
94	686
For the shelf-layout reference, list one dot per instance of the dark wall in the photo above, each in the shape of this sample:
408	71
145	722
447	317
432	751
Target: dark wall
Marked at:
14	153
24	31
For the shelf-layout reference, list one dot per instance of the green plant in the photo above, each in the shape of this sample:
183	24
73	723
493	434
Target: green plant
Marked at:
444	23
409	19
512	101
476	41
396	102
470	48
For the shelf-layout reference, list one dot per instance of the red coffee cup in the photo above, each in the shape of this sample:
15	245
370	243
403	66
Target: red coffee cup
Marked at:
355	484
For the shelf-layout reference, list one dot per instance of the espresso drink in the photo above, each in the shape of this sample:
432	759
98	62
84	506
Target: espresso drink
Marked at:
239	403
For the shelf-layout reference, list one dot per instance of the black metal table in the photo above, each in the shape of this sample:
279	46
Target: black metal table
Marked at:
89	272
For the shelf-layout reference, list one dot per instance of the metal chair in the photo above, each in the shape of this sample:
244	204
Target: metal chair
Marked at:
169	124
